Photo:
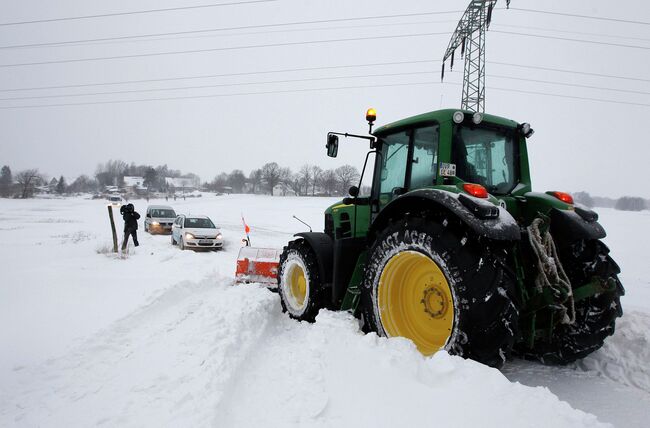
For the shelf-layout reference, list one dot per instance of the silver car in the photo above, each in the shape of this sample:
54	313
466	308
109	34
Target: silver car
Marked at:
196	232
159	219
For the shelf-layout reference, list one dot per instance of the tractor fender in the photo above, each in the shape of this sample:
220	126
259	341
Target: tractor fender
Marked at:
571	226
323	247
502	228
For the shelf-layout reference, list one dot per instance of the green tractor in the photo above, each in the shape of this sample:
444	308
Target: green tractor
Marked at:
453	250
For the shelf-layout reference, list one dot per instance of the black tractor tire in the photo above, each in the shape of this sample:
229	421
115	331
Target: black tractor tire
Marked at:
302	294
485	315
595	316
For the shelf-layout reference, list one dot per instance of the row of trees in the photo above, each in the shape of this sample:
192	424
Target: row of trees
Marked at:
625	203
269	179
309	180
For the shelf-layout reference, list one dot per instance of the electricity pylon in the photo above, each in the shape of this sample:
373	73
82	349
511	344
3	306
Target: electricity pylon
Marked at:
470	37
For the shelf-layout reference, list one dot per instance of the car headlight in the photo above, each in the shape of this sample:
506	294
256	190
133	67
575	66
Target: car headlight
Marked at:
189	236
155	223
219	236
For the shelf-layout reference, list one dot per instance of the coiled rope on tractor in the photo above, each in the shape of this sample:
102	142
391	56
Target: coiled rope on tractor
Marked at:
551	274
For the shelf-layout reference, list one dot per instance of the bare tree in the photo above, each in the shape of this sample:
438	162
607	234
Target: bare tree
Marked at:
304	176
6	181
272	175
346	175
316	173
295	183
255	179
236	180
328	181
28	180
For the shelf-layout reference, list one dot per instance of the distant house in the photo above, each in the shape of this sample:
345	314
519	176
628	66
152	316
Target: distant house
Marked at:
180	184
135	183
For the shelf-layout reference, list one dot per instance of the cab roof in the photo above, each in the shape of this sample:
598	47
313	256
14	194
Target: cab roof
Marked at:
442	116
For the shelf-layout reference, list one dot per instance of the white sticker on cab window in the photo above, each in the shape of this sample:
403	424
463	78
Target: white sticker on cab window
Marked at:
447	169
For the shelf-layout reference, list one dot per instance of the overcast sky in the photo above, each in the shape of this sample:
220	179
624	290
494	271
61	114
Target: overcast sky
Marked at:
579	144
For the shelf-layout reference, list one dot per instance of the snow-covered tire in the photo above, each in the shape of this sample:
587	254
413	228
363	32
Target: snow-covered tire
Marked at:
299	285
181	244
452	292
173	240
595	316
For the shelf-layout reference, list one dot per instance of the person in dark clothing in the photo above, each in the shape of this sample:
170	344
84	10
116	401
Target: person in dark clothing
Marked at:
130	217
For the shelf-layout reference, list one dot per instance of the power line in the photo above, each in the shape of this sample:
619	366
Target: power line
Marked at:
561	70
573	15
221	85
570	97
319	68
288	91
206	76
229	48
581	33
135	12
572	85
593	42
245	27
313	79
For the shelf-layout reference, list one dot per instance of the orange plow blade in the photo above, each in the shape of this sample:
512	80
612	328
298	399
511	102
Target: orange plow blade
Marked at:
258	265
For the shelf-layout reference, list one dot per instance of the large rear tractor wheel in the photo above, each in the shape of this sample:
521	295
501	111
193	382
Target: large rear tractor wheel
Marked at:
442	288
595	316
299	286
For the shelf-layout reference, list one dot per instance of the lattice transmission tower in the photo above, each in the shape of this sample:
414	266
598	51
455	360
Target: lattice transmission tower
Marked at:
470	37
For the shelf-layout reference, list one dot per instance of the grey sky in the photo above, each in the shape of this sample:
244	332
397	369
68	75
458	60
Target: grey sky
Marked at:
578	145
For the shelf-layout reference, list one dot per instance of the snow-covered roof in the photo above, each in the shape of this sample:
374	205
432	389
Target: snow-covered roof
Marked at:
179	182
130	181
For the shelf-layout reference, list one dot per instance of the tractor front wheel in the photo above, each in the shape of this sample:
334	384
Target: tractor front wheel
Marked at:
299	286
443	288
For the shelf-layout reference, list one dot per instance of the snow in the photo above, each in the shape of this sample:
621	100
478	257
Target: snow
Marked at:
162	337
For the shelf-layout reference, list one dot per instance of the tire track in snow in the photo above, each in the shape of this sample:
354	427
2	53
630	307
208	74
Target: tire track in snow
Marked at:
169	362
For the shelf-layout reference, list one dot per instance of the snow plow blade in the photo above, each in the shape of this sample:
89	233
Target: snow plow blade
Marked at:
258	265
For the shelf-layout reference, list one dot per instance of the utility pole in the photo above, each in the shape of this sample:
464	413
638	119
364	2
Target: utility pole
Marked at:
470	37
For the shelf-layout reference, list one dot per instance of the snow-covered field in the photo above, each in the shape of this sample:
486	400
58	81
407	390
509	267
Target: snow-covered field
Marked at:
163	338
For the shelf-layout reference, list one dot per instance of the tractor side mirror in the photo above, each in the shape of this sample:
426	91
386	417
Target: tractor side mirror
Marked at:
354	191
332	145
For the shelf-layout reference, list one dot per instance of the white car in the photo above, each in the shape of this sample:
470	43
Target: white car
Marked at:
196	232
115	200
159	219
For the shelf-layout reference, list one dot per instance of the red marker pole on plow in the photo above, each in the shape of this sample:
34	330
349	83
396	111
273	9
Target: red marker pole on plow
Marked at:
256	265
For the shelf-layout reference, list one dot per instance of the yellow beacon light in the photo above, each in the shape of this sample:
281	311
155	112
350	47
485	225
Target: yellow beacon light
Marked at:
371	115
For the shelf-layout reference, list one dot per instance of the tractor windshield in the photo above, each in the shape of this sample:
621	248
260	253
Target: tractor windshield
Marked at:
486	156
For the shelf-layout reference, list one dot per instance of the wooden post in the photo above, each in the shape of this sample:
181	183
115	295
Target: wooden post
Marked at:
110	216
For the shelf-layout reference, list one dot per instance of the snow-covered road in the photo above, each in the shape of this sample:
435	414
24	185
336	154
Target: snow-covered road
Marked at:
162	338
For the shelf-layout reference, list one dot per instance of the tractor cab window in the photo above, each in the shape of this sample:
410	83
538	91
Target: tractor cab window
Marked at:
487	157
425	157
392	170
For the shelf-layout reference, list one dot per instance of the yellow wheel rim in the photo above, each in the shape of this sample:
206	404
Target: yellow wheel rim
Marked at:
297	285
415	301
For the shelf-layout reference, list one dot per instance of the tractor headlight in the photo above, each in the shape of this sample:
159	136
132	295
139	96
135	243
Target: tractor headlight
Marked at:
477	118
459	116
189	236
526	130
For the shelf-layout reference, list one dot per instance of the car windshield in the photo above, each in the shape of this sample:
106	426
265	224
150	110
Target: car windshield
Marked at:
161	213
486	156
199	223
